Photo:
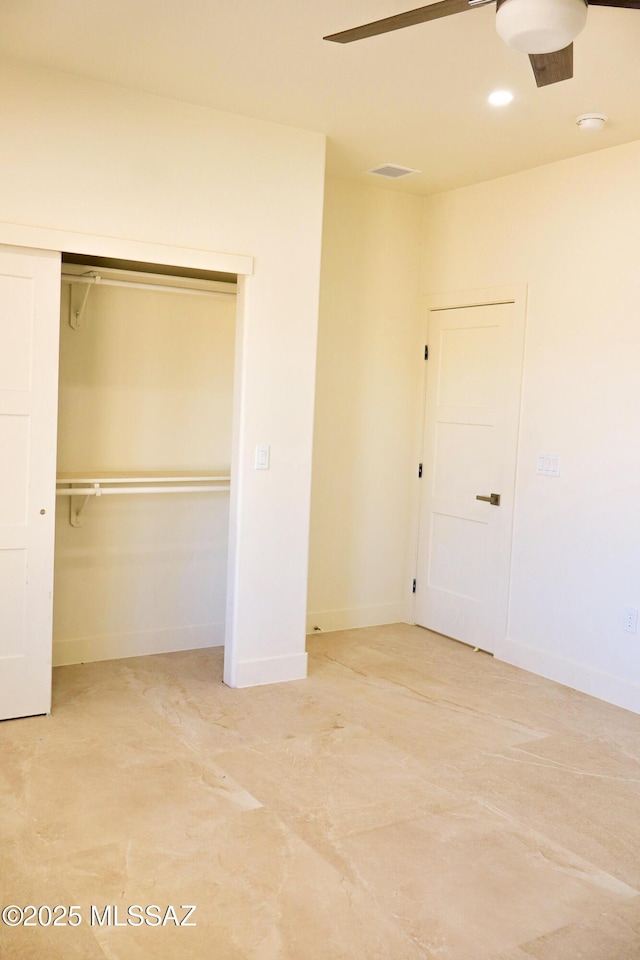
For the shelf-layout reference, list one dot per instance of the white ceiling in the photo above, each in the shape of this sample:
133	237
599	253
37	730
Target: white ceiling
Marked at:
415	97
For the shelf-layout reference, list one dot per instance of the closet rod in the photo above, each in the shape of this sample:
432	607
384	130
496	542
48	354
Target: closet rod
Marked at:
121	478
109	491
168	288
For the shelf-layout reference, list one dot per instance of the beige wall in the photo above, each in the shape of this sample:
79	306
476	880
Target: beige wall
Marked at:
571	231
112	164
364	459
146	384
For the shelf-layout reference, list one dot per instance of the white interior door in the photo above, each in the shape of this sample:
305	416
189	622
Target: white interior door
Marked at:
29	321
471	430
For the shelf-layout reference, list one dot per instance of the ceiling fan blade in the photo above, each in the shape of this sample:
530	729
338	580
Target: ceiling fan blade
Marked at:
434	11
552	67
629	4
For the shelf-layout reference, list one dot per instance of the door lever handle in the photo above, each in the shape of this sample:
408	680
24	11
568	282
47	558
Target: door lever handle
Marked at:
493	499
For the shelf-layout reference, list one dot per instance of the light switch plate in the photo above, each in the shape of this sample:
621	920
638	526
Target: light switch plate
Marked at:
548	464
262	457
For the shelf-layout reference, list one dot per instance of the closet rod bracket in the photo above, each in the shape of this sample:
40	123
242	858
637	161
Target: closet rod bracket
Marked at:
76	509
78	298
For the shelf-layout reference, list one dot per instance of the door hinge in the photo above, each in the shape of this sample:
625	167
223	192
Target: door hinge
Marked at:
413	588
419	470
426	352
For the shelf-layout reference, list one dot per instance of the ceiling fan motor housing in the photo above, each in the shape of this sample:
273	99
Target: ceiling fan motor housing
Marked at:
540	26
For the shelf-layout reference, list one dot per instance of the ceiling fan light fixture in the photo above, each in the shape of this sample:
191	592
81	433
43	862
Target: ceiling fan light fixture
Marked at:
540	26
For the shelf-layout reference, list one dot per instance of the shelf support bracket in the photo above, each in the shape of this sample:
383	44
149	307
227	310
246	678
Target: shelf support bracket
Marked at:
76	511
78	300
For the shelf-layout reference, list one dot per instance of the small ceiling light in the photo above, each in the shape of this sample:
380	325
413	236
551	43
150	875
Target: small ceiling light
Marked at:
591	121
500	98
540	26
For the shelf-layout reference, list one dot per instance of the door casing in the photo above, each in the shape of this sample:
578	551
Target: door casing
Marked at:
22	239
516	296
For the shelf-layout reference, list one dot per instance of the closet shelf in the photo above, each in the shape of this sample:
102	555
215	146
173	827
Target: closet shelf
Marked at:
82	486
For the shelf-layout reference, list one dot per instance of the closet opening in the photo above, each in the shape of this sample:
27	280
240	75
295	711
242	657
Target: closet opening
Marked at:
143	462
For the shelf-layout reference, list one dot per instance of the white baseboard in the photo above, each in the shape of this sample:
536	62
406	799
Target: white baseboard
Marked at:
330	620
117	646
604	686
254	673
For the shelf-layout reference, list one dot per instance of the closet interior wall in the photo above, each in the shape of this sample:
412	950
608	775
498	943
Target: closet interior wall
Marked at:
146	385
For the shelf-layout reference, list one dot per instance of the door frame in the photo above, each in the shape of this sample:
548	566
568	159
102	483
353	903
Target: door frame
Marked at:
67	241
21	236
516	294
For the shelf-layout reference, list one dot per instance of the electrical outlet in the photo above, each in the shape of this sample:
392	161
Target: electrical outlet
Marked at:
631	620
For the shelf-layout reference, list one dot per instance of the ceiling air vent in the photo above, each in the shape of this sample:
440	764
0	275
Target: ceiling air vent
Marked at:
393	171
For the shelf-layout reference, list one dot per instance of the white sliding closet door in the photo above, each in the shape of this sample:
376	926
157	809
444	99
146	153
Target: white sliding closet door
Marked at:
29	319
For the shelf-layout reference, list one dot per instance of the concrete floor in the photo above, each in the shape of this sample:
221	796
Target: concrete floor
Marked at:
411	799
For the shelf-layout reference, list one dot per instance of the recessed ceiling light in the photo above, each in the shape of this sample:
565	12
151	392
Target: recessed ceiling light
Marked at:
500	98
